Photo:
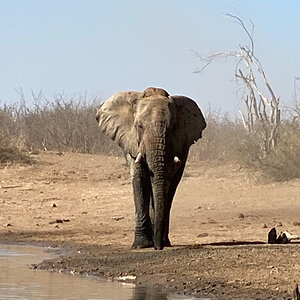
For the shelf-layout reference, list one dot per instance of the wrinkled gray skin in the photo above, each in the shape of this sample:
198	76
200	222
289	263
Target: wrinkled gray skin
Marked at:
155	131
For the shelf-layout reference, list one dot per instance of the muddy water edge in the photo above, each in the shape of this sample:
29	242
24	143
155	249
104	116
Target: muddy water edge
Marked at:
202	271
21	279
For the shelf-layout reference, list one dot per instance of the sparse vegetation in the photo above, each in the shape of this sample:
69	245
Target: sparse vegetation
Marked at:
284	162
221	139
69	125
225	140
61	124
12	155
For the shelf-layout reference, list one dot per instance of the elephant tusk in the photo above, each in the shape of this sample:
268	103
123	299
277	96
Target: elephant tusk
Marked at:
176	159
138	158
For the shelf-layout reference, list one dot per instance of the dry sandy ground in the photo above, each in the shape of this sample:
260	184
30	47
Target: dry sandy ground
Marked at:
220	218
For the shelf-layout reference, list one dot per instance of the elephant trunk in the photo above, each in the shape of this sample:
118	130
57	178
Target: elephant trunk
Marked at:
156	159
159	197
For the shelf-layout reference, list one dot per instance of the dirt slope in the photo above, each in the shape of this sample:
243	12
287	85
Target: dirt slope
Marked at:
85	202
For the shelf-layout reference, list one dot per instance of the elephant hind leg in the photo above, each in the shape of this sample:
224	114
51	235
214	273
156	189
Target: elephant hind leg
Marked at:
171	193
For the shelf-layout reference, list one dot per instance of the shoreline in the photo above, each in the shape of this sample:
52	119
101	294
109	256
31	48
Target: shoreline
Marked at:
172	270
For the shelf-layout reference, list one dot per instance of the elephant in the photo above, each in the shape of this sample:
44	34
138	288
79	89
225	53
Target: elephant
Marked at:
155	131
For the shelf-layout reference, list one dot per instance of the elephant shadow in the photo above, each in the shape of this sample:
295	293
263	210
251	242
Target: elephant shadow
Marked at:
235	243
220	244
229	244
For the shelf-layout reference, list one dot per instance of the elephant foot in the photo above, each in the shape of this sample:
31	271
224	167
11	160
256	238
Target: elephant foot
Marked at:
159	246
141	242
167	243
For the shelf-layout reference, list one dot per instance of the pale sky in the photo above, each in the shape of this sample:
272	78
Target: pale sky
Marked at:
102	47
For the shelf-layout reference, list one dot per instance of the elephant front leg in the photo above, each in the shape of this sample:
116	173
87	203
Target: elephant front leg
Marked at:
141	192
167	242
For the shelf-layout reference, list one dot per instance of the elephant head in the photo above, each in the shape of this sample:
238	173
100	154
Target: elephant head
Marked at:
156	131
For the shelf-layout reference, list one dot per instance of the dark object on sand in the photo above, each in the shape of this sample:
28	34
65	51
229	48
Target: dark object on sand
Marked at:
281	238
296	294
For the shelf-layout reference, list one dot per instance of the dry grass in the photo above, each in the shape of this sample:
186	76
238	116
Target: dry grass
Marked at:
281	164
61	125
221	139
227	140
69	125
13	155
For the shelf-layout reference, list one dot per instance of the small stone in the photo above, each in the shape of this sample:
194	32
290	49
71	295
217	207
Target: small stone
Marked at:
279	224
205	234
53	205
56	221
8	225
296	223
210	221
264	226
117	218
241	216
296	294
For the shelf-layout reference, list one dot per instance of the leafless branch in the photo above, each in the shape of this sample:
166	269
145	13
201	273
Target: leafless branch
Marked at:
263	114
241	23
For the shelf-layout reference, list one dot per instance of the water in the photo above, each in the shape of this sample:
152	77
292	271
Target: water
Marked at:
18	281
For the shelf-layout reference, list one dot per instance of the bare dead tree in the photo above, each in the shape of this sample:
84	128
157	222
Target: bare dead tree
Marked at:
262	116
296	99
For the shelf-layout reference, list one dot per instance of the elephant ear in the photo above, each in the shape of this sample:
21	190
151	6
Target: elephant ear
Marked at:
116	120
190	120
